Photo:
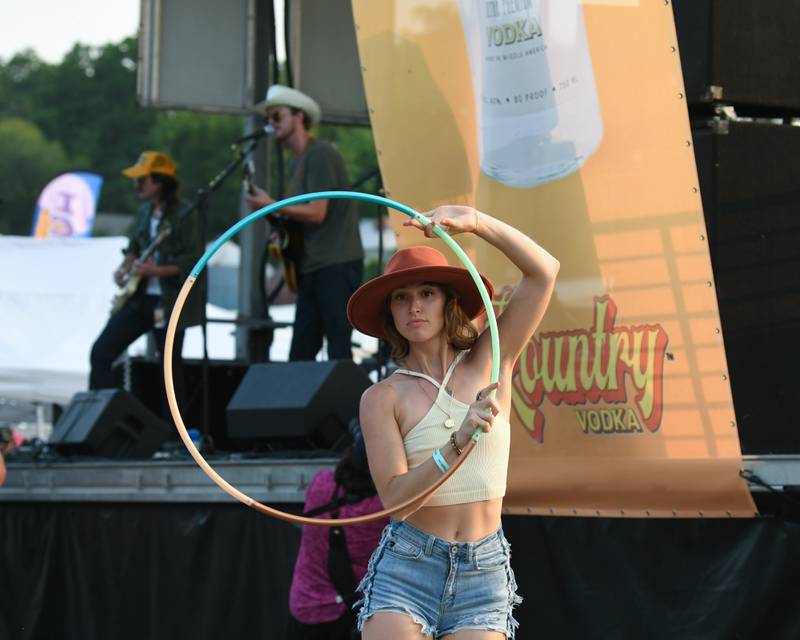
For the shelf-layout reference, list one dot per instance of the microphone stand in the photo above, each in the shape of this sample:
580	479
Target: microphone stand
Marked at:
200	203
381	356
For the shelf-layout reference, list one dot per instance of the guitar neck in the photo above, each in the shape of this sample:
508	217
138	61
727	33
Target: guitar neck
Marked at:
150	248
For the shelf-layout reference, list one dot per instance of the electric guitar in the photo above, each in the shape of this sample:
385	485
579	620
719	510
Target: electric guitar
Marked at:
285	241
131	281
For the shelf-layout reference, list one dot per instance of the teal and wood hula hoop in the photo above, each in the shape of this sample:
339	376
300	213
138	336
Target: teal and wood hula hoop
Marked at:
178	308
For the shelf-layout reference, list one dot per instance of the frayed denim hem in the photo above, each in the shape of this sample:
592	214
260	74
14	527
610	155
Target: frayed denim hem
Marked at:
514	599
426	629
365	586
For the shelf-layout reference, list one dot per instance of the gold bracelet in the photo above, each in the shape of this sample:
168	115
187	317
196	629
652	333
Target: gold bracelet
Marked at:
454	444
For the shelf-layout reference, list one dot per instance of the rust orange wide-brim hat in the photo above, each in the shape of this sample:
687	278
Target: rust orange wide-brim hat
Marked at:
366	308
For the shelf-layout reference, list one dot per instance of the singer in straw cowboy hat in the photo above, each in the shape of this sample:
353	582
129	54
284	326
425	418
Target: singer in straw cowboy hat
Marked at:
331	259
442	568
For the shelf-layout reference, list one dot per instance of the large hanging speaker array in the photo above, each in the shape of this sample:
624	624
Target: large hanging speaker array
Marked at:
750	183
741	70
741	52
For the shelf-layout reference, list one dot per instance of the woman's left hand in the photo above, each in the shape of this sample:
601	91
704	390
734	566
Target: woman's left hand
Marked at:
454	219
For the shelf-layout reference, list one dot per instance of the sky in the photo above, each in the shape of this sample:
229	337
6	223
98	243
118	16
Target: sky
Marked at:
52	27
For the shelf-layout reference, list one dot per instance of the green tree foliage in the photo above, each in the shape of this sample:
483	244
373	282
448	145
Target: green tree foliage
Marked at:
201	145
86	106
27	163
358	148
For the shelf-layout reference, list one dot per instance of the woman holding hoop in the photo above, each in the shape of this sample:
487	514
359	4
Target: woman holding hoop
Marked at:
442	567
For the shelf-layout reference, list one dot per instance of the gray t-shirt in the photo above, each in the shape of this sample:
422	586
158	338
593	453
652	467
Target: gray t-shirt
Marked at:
337	239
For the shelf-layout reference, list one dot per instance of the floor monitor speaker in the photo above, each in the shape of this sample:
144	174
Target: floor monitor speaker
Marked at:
109	423
297	404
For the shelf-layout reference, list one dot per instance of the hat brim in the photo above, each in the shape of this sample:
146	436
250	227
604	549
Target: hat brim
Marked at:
261	107
366	308
138	171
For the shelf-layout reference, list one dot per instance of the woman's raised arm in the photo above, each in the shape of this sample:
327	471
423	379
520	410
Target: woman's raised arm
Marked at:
527	305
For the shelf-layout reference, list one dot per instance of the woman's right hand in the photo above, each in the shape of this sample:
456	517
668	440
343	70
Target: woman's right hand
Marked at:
480	415
454	219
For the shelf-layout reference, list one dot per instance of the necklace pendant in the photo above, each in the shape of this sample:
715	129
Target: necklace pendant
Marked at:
449	423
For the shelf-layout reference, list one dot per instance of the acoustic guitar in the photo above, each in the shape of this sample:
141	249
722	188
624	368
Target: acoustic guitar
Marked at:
131	281
285	244
285	241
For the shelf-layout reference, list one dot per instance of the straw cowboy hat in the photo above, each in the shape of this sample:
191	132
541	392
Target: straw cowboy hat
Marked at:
281	96
366	308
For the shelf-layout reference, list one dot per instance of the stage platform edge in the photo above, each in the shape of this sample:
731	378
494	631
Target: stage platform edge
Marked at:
265	480
270	481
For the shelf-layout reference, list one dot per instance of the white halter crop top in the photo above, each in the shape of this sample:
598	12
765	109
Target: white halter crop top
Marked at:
483	474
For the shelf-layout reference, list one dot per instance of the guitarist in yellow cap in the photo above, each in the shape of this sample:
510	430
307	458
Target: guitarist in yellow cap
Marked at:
162	250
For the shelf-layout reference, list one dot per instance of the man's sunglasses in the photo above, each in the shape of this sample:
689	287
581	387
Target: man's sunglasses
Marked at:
275	116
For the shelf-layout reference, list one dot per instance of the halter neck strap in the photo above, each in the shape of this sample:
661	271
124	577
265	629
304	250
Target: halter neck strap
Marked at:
436	384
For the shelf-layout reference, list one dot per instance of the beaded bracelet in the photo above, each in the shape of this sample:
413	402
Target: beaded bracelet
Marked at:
438	458
454	444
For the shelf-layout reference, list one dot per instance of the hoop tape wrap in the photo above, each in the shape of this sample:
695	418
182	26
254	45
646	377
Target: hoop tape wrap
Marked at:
178	308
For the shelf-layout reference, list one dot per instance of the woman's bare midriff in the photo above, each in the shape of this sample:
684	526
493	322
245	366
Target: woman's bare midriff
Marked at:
467	522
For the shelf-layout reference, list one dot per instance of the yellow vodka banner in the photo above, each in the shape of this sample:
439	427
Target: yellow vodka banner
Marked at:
568	120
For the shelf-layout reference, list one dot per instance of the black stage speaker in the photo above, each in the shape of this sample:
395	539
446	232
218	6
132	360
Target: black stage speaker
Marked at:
297	404
110	423
740	52
750	184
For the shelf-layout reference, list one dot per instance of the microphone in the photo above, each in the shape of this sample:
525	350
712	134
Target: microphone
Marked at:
268	130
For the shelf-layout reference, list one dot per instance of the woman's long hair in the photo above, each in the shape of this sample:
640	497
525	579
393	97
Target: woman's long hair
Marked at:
461	333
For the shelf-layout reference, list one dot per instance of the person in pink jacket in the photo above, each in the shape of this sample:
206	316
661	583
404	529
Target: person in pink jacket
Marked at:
331	562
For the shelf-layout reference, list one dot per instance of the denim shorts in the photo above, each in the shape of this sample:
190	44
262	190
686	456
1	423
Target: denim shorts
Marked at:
444	586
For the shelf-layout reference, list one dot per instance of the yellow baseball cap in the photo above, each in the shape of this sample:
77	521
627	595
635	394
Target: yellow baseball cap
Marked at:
151	162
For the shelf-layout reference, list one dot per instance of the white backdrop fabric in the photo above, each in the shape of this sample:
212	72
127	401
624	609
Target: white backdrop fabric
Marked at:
55	297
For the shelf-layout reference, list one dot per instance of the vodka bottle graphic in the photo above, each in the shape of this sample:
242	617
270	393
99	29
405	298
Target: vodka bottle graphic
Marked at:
536	101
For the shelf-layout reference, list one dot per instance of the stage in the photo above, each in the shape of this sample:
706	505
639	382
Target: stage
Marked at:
131	549
268	480
276	478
